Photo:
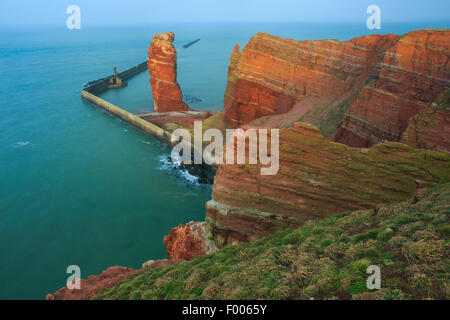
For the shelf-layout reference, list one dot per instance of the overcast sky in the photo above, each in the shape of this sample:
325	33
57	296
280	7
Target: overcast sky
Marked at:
107	12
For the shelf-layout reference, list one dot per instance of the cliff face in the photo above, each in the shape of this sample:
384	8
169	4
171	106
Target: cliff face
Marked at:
189	241
271	74
162	66
406	81
316	178
358	92
94	284
430	129
322	260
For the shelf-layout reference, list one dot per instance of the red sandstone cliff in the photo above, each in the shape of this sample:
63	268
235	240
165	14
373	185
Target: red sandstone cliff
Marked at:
360	91
189	241
107	279
317	178
162	66
405	81
271	74
430	129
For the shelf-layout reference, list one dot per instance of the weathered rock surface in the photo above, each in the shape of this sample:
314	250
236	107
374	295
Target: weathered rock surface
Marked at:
189	241
430	129
93	284
406	81
107	279
358	92
162	66
271	74
316	178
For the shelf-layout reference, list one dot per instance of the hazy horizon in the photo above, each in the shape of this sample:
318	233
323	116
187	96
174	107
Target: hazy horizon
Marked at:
135	12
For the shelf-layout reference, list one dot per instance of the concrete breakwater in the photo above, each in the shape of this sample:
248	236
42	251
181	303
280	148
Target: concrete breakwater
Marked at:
144	126
138	121
99	86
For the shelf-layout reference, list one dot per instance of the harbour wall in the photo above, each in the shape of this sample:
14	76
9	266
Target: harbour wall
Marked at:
90	93
144	126
101	85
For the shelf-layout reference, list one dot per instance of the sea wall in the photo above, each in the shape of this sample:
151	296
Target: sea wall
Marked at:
146	127
130	73
100	86
135	121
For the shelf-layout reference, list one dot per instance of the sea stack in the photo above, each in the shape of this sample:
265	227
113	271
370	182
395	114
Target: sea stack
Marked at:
162	66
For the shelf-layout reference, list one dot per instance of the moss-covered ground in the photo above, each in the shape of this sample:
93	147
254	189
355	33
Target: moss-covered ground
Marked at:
323	259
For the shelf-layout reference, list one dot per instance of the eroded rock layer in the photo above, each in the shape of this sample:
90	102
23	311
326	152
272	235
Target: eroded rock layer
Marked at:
316	178
189	241
430	129
406	81
95	283
271	73
358	92
162	66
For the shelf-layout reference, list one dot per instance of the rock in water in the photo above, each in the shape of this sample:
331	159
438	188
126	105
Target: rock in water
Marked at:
162	66
185	242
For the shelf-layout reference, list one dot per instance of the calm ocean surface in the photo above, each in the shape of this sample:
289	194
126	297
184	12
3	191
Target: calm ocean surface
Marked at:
78	186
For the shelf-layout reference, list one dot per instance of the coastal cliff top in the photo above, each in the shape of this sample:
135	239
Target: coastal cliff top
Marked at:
325	259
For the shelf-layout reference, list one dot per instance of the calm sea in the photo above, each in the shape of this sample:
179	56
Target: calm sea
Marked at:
80	187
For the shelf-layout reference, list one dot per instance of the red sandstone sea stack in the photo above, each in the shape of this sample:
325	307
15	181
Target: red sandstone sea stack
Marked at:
162	66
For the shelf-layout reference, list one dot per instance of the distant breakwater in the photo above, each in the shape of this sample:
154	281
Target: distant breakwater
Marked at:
99	86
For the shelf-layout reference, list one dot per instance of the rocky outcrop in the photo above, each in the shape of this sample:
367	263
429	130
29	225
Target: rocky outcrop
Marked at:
357	92
317	178
107	279
183	243
93	284
271	74
162	66
188	241
430	129
404	82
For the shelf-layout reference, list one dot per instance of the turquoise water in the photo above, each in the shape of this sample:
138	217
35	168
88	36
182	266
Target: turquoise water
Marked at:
81	187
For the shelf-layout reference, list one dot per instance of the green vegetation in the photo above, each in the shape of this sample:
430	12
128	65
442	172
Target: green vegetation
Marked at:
323	259
443	101
328	117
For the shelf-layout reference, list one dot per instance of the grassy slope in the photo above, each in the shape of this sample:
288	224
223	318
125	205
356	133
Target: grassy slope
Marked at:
324	259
